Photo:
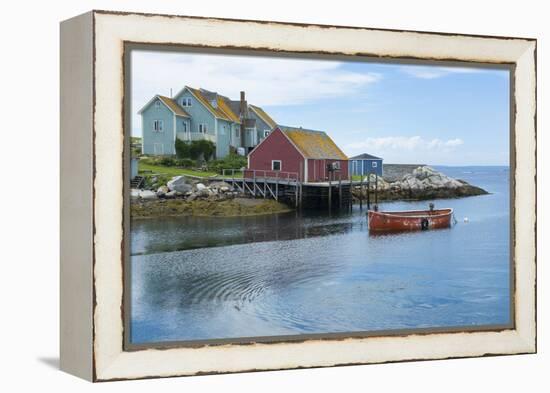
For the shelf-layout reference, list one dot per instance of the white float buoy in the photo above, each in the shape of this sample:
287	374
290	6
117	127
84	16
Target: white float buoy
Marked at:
466	219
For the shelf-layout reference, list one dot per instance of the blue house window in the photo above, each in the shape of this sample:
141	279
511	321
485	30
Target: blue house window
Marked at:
202	128
186	101
158	125
374	164
157	104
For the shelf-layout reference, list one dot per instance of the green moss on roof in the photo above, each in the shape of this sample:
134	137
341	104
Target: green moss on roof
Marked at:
263	115
170	103
221	112
314	144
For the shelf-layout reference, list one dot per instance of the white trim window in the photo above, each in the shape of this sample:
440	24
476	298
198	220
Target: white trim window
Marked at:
237	132
375	164
202	128
276	165
186	102
184	125
157	104
266	133
158	125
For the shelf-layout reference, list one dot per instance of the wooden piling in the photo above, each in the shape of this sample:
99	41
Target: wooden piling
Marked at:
329	190
340	189
254	183
360	193
368	191
376	189
276	186
296	194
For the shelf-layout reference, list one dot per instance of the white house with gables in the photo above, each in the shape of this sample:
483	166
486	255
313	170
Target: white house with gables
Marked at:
194	114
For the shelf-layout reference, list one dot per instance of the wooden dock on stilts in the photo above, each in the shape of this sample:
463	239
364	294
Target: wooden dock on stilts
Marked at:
334	194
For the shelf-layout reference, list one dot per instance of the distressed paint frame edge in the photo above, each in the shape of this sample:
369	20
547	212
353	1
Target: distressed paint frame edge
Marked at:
111	365
76	207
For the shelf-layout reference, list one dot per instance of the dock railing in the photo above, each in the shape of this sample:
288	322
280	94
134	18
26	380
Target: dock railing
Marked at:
251	174
263	183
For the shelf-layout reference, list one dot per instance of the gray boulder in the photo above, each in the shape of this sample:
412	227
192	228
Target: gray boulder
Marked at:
219	185
179	184
162	191
147	194
171	194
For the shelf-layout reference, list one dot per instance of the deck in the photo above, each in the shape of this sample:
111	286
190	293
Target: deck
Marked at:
287	187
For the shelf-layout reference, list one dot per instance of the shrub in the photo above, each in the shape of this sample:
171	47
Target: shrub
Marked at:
195	149
232	161
185	163
182	149
202	148
167	161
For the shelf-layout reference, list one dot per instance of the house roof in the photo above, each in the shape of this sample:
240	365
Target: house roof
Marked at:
224	105
222	109
173	106
365	156
170	103
313	144
263	115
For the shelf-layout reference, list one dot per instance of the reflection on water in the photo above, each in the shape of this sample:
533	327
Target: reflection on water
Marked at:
287	274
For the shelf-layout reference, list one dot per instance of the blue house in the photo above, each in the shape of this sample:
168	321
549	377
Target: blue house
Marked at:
195	114
365	164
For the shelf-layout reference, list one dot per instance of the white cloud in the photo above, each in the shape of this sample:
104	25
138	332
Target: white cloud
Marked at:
266	80
433	72
410	149
405	143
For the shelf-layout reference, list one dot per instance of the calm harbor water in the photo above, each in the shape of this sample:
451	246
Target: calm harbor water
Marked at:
204	278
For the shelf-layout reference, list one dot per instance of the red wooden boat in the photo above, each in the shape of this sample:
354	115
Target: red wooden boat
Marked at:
409	220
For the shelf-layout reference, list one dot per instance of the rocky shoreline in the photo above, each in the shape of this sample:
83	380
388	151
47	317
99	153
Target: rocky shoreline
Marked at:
236	207
182	196
421	184
185	197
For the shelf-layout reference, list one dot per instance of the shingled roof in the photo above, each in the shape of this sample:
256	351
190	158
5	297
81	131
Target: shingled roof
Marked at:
263	115
174	107
222	111
313	144
170	103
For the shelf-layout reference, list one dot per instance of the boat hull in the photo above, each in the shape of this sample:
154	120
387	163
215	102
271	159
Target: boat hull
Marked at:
415	220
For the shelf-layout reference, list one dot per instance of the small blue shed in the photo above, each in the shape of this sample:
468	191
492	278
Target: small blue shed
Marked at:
363	164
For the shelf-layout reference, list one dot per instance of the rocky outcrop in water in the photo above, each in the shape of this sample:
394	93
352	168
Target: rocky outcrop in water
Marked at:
423	183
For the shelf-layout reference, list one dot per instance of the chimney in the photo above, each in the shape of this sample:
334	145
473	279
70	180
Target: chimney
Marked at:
243	115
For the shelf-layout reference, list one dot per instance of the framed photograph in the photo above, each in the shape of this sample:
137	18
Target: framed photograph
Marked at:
250	195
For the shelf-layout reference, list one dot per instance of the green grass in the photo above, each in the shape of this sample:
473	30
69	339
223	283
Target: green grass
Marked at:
228	175
172	171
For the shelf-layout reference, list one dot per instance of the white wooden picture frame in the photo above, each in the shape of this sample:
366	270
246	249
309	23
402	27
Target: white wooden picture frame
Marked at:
92	194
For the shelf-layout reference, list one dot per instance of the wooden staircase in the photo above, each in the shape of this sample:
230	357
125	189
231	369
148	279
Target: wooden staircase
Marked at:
136	182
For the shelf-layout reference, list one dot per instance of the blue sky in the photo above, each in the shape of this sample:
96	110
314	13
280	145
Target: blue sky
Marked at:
403	113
